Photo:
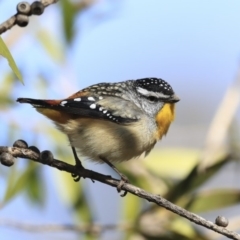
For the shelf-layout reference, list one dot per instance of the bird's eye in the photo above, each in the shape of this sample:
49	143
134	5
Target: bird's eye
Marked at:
152	99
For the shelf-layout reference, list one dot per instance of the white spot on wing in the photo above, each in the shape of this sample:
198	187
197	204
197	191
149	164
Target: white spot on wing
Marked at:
91	98
93	106
77	99
63	103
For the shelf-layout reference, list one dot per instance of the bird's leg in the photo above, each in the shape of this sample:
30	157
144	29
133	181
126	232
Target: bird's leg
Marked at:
77	160
78	165
123	179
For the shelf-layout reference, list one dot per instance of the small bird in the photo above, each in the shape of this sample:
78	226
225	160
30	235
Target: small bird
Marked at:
113	122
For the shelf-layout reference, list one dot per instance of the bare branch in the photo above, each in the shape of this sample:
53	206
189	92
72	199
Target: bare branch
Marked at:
95	229
48	2
8	24
215	140
157	199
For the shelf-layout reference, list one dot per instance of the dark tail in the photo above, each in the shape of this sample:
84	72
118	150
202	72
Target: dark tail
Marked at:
38	102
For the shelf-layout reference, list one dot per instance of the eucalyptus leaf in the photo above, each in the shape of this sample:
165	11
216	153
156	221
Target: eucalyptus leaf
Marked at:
34	187
213	199
17	182
71	192
51	45
6	54
68	14
194	180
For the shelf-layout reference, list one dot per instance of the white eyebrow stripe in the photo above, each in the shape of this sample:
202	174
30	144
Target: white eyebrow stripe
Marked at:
151	94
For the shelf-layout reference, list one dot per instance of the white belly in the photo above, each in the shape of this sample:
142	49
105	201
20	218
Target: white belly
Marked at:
98	138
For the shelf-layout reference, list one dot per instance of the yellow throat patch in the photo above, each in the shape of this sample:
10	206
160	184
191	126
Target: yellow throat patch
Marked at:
164	118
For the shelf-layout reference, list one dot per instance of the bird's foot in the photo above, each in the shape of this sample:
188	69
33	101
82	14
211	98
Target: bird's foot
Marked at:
123	179
77	177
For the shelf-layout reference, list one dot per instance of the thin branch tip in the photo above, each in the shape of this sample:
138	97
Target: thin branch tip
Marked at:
24	11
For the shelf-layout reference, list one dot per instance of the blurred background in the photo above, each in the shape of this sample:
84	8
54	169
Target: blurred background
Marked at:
193	45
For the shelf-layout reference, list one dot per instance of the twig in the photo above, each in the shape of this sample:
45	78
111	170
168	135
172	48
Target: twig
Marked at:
9	23
215	140
85	173
95	229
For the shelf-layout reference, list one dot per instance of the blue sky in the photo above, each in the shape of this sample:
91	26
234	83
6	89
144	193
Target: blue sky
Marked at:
194	45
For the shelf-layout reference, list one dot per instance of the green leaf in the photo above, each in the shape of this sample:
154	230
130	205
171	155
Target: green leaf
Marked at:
131	207
194	180
68	13
180	228
17	182
6	53
34	186
71	192
51	45
74	196
172	163
213	199
82	208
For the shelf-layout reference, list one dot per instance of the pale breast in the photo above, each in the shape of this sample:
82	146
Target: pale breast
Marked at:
95	138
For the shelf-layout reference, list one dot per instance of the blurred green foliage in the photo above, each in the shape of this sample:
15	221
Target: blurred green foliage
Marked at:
184	189
173	173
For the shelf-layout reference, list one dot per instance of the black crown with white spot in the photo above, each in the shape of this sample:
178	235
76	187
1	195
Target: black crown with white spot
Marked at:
155	85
